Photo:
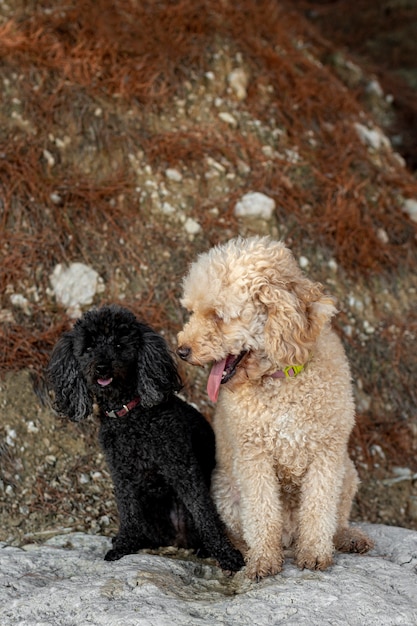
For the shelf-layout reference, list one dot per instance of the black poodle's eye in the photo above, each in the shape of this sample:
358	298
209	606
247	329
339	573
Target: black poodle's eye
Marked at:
121	342
87	346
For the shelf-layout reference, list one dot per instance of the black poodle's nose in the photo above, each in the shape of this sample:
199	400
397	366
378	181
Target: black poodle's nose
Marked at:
184	352
103	369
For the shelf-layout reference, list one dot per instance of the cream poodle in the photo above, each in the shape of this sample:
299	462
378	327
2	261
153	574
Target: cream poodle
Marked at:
285	408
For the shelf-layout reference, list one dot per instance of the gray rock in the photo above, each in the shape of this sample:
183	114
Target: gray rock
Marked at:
66	582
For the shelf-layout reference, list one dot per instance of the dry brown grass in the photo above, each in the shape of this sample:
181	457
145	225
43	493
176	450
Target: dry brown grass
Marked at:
70	59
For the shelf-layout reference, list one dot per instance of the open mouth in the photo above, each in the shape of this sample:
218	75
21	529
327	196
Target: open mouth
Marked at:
104	382
221	372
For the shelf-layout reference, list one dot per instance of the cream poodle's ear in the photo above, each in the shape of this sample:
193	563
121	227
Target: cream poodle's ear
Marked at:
297	313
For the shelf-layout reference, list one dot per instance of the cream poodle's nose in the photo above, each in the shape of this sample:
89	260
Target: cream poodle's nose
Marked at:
184	352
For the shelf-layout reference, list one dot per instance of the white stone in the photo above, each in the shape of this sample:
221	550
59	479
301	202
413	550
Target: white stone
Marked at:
374	88
75	286
49	158
228	119
215	164
66	582
402	471
167	208
238	81
292	155
410	207
368	328
55	197
303	262
255	204
374	138
348	330
173	174
382	235
21	302
10	436
191	226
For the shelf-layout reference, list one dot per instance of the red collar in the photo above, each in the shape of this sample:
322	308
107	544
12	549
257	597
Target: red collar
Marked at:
125	409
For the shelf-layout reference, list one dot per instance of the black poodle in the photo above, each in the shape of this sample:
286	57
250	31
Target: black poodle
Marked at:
160	450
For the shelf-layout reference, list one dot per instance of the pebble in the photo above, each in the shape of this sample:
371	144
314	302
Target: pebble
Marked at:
49	158
374	138
228	118
167	208
410	207
374	88
255	204
238	81
19	301
10	437
355	303
55	197
173	174
382	235
191	226
368	328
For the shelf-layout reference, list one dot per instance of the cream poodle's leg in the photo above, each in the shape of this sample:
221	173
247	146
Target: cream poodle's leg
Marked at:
320	493
349	539
227	500
261	515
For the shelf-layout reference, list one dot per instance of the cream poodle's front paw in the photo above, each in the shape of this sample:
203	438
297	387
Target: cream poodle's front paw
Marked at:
259	565
352	540
307	559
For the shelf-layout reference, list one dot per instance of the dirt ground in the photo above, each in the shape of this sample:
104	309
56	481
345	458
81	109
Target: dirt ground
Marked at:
128	132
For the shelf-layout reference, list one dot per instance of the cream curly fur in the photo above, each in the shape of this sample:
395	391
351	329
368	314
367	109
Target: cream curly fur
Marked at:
283	474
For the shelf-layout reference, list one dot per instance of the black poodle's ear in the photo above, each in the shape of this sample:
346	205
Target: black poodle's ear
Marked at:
157	374
67	382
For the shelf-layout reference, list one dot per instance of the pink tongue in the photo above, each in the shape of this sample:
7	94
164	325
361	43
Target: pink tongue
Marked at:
215	379
103	382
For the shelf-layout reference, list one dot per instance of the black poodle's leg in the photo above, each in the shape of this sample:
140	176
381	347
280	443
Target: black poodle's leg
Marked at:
127	541
193	492
145	521
131	536
212	531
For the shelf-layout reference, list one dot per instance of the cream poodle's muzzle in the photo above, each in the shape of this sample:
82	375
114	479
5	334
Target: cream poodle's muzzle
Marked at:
221	371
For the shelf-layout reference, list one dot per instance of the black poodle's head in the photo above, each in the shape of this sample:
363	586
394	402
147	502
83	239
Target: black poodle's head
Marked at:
109	357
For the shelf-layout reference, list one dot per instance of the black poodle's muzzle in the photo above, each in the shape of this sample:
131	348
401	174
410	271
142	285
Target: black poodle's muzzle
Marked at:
103	374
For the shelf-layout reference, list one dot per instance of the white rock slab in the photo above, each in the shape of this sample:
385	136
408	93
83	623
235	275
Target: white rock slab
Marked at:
55	585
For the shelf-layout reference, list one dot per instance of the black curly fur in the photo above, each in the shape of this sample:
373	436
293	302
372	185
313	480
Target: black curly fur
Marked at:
161	453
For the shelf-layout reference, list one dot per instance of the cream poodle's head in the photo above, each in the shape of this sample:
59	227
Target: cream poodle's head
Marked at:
252	311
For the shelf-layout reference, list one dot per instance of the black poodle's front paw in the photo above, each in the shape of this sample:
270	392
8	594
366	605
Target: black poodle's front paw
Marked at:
120	549
115	555
232	562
